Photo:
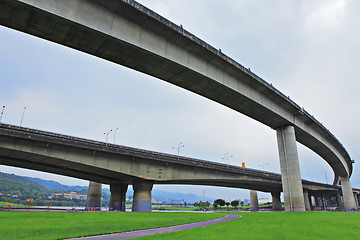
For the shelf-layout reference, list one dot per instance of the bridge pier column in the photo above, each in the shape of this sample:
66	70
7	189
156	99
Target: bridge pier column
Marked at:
356	196
142	196
276	202
254	203
348	197
118	197
290	169
338	198
329	199
307	200
326	201
93	200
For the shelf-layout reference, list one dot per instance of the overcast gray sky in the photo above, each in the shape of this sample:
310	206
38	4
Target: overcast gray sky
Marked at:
307	49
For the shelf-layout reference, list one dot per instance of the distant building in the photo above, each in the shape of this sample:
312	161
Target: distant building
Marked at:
71	195
173	201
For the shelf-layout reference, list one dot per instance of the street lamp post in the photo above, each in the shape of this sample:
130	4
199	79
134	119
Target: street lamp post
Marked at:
107	135
22	117
263	166
180	145
2	112
226	158
115	134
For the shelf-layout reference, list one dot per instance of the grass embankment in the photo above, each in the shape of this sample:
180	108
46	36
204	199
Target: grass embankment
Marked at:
57	225
170	208
12	204
223	208
277	225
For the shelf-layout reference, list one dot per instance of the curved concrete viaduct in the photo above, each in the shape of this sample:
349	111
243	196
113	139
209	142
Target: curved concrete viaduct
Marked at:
129	34
121	166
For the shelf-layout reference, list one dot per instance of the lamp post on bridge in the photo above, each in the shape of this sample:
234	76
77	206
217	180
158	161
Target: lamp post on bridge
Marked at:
263	166
22	117
107	135
115	134
2	112
180	145
226	158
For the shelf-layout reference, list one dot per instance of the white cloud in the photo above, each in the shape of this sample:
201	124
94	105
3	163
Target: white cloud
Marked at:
324	15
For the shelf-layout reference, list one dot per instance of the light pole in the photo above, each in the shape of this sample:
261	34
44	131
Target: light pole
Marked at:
326	178
2	112
107	135
263	166
22	117
226	158
178	149
115	134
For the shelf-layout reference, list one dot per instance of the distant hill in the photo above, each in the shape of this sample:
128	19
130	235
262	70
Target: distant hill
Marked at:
168	196
16	185
156	194
52	185
30	186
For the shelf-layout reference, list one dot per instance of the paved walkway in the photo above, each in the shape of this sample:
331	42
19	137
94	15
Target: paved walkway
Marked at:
140	233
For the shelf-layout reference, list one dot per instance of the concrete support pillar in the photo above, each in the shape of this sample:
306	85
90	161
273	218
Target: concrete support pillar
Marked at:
93	200
327	201
254	203
338	198
312	201
118	197
356	199
317	203
276	202
290	169
307	201
348	197
142	196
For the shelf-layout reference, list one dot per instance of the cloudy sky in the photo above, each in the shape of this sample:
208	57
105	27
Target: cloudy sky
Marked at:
309	50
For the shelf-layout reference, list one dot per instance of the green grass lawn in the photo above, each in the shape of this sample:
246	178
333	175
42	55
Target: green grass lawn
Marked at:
277	225
55	225
253	225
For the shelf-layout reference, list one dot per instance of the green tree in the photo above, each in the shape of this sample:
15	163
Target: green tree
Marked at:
220	202
235	203
242	203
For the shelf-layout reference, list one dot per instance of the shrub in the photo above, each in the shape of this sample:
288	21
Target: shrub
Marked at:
340	208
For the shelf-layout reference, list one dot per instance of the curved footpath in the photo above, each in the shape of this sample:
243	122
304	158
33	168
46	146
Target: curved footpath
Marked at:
140	233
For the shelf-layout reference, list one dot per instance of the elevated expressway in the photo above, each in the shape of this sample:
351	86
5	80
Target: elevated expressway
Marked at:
119	165
129	34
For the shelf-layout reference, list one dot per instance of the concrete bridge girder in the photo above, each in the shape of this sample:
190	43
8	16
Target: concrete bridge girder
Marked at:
124	32
85	162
